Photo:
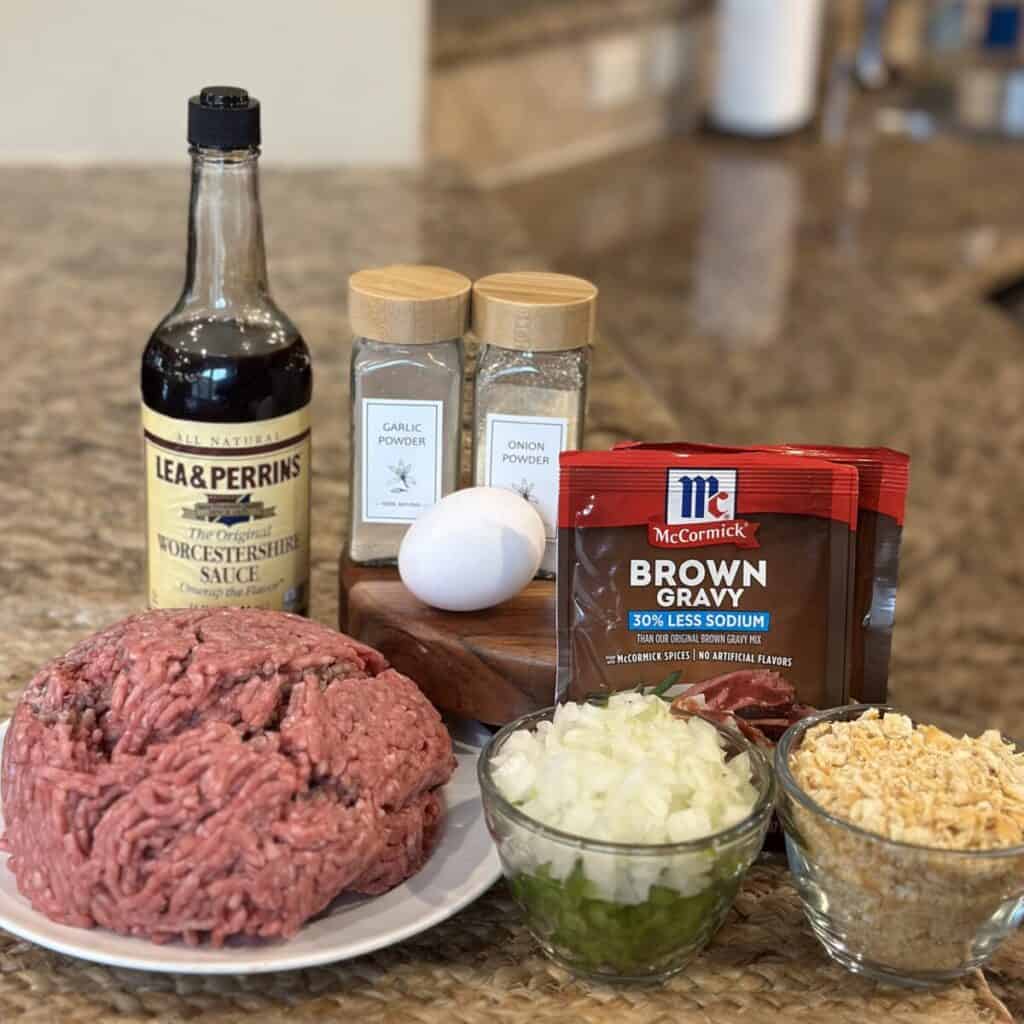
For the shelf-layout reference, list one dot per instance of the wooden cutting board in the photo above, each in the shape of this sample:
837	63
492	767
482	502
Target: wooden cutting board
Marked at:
493	665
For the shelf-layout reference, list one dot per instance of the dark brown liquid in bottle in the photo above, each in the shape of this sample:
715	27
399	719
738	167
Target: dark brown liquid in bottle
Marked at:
226	371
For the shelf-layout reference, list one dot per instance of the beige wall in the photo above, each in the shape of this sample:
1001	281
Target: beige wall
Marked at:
107	80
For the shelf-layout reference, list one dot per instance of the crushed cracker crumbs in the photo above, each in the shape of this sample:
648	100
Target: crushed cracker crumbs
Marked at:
917	784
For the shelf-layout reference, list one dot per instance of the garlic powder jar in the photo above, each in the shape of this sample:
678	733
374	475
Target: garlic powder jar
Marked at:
406	388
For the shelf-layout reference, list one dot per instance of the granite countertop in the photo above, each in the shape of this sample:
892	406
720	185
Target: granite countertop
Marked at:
749	293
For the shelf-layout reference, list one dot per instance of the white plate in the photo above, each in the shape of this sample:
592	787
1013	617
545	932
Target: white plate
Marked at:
464	864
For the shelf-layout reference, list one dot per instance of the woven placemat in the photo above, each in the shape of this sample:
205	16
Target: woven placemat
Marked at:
481	967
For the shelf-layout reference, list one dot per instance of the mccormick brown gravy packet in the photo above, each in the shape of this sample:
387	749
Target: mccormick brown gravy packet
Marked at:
882	496
704	563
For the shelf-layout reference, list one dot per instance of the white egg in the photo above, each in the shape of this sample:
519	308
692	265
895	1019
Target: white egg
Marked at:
472	550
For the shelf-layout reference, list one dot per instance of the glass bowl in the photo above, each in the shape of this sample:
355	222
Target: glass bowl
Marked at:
617	911
897	912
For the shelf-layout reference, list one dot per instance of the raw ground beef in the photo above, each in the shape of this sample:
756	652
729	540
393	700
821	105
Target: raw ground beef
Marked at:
213	773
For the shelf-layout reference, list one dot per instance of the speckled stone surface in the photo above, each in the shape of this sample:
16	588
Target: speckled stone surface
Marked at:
749	293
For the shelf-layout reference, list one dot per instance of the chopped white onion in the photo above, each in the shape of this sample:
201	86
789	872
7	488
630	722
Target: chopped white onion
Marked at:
627	772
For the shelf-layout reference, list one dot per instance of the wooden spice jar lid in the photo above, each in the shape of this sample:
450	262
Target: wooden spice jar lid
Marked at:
409	304
534	311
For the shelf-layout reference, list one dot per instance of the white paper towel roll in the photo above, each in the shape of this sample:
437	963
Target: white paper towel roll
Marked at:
767	65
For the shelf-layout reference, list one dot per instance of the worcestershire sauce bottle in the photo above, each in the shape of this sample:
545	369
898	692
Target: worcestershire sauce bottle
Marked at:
226	385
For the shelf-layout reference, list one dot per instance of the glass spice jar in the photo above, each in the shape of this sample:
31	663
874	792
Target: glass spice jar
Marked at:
530	389
406	387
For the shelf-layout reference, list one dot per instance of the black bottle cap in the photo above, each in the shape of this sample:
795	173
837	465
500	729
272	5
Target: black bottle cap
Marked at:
224	117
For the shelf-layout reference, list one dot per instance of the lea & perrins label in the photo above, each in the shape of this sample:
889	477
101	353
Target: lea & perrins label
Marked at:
227	511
